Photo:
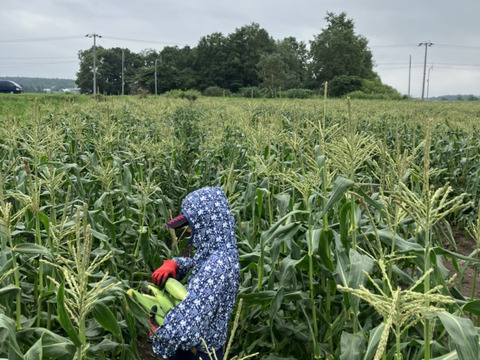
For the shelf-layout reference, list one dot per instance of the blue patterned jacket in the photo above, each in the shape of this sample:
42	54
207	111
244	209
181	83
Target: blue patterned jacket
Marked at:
213	283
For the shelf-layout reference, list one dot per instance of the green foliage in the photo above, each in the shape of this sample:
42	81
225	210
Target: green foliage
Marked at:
248	57
216	91
271	72
344	84
191	94
246	45
376	87
358	88
174	94
338	51
251	92
109	74
297	94
340	195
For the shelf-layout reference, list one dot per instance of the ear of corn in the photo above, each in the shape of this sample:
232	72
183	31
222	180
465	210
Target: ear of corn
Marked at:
176	301
162	298
147	302
176	289
160	310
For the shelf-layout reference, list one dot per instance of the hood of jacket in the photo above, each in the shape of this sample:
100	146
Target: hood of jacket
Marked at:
212	223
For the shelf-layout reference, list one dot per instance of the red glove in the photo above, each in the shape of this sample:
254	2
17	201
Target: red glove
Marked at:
160	276
151	320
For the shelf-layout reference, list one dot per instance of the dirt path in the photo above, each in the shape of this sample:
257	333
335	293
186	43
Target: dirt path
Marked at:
465	246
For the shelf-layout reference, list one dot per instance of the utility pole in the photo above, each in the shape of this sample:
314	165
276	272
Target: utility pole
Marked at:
156	77
94	36
428	79
409	74
426	44
123	72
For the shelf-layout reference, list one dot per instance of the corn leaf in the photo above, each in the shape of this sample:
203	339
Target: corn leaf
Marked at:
63	316
137	312
35	352
463	334
55	346
373	340
106	318
103	346
6	264
472	307
29	248
450	356
45	221
326	237
352	346
9	289
340	187
8	325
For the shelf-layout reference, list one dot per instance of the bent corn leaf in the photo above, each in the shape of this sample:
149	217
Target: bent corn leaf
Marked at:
63	316
106	319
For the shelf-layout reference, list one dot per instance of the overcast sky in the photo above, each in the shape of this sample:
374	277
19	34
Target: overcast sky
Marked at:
41	38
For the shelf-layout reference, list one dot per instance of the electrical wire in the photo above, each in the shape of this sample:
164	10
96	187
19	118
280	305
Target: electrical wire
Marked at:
142	41
459	46
57	38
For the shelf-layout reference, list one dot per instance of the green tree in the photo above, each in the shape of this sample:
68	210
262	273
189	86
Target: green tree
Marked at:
176	70
109	70
244	48
294	55
285	68
145	75
168	78
271	70
85	74
211	60
344	84
337	50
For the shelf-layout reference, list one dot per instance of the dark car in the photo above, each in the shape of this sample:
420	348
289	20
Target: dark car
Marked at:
7	86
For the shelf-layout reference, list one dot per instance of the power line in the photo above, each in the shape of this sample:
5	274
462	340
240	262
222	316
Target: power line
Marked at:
13	65
35	57
436	44
56	38
421	64
392	45
459	46
142	41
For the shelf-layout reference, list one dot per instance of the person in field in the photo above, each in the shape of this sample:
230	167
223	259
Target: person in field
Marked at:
212	284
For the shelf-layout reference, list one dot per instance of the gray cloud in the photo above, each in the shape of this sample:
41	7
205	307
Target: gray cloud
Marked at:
388	25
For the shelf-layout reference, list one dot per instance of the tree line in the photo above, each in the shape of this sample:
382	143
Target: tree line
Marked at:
247	61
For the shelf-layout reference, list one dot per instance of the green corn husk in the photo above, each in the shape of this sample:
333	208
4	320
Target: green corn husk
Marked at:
176	289
147	302
162	298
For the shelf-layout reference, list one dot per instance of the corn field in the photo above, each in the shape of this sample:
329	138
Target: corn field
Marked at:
346	219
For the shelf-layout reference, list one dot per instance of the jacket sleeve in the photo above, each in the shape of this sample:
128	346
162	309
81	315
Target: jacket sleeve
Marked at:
185	264
184	325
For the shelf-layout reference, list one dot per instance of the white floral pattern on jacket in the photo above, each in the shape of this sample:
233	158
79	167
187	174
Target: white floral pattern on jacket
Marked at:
213	283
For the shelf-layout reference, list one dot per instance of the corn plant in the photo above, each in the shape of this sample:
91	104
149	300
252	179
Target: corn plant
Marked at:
76	298
320	189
